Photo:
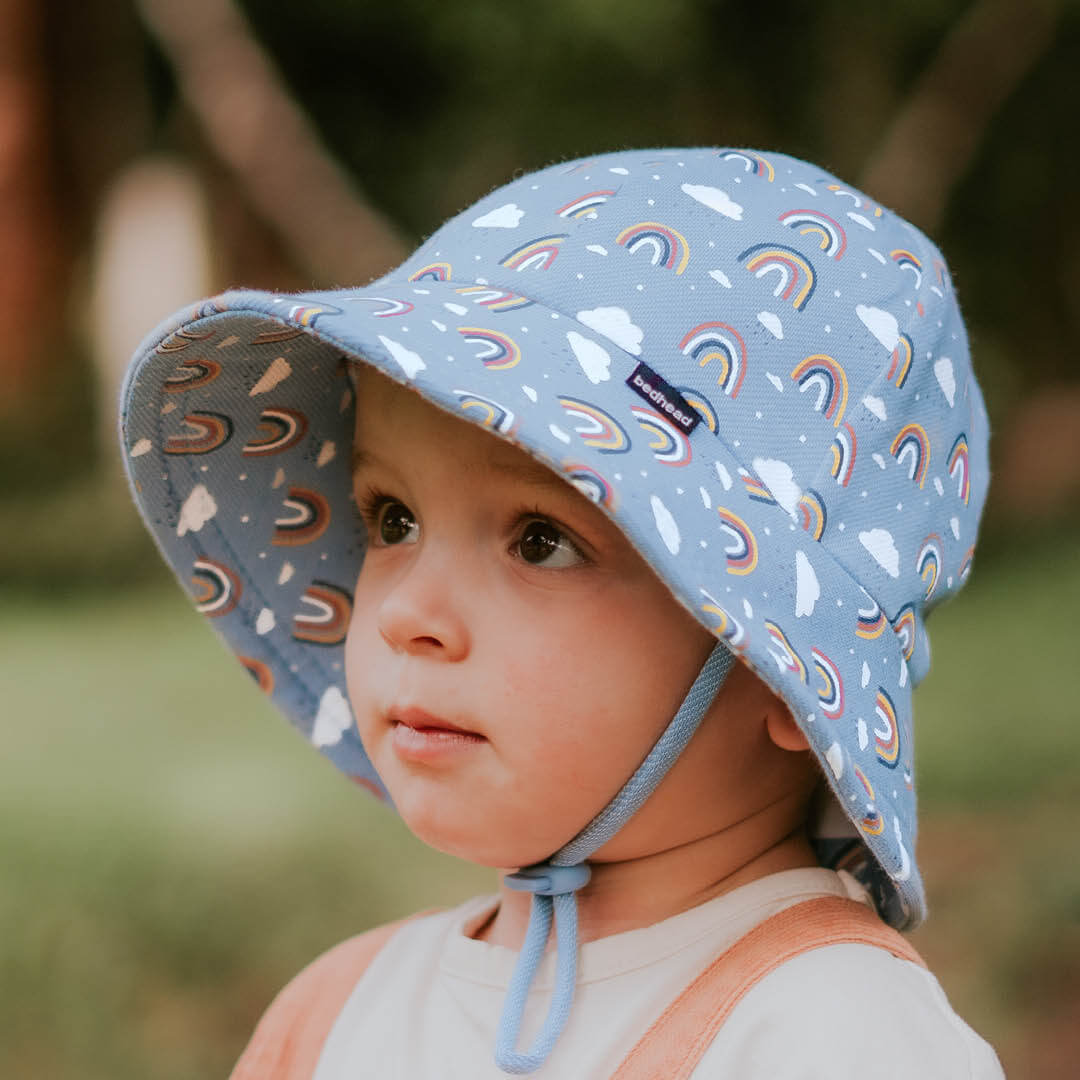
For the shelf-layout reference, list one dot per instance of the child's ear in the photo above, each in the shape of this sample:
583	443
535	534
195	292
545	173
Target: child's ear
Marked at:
781	726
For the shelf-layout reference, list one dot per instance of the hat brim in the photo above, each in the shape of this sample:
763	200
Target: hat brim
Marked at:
237	418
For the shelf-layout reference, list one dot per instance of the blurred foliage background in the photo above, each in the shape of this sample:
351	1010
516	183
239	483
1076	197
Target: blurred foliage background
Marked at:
167	867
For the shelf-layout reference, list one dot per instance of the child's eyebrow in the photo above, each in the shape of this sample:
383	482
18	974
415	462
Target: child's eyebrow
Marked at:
530	473
361	458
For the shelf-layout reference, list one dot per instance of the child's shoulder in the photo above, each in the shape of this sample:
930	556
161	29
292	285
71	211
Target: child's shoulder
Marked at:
289	1038
850	1009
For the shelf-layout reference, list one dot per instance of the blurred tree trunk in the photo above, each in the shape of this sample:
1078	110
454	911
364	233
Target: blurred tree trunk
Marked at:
934	137
255	125
31	262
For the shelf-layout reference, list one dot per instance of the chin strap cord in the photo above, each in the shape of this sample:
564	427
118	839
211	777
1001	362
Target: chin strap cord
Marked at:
555	882
553	888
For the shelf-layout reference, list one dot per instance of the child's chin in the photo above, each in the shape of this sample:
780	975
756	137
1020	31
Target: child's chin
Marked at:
470	838
452	835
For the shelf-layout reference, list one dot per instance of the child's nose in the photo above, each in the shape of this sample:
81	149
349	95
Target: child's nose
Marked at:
419	615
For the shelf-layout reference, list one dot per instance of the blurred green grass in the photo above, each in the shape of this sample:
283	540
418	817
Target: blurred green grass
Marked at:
173	854
996	720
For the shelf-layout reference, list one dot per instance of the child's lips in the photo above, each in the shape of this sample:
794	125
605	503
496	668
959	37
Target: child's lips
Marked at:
422	737
419	720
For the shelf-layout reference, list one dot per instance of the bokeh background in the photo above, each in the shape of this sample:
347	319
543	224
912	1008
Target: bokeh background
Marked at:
166	865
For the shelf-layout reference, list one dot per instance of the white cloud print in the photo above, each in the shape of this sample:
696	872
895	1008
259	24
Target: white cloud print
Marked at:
943	370
880	544
333	718
199	507
614	323
780	480
594	359
502	217
807	589
714	199
882	324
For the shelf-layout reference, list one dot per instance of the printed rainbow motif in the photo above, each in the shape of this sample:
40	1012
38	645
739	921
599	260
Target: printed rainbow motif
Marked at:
309	314
598	429
965	565
537	254
755	488
866	785
327	619
908	261
276	334
796	279
191	374
209	431
842	454
830	233
718	341
942	272
959	468
590	483
702	406
308	521
812	513
498	351
492	414
871	621
904	626
260	672
436	271
912	442
669	248
928	563
742	551
786	657
585	205
182	339
669	444
831	692
900	362
753	163
872	822
281	429
726	626
860	201
886	737
216	588
392	308
493	298
825	375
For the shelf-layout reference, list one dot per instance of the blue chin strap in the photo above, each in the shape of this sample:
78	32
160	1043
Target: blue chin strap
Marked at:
555	882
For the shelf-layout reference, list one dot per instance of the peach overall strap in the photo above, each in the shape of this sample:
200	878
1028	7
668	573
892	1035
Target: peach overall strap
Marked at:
289	1038
674	1045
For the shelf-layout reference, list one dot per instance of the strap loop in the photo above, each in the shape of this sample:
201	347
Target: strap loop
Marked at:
544	879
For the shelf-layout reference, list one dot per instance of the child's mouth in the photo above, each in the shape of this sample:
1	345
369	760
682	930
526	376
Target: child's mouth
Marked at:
419	736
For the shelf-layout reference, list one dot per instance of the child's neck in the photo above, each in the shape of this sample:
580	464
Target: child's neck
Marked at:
637	892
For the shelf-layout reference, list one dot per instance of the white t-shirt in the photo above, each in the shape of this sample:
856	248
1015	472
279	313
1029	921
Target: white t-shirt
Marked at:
428	1006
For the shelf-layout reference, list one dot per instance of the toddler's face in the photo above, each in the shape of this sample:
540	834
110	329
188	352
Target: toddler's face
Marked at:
511	659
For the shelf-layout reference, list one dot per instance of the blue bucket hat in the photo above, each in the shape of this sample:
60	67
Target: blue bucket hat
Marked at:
759	373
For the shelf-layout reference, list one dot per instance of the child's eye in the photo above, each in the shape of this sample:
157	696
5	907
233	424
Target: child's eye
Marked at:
392	522
542	544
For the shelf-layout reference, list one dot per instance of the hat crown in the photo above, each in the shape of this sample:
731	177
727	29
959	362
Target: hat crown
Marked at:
817	332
